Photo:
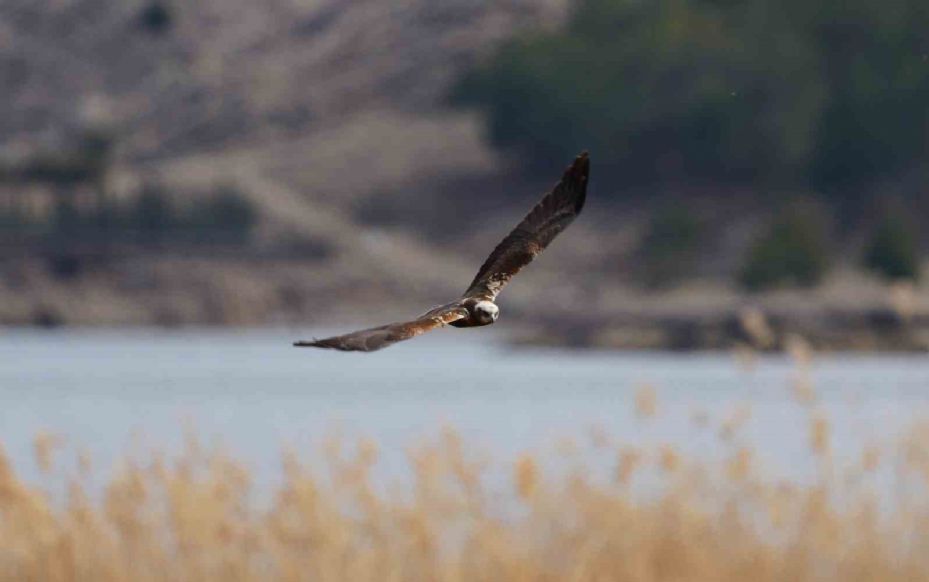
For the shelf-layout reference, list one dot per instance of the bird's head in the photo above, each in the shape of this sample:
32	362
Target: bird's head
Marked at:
486	312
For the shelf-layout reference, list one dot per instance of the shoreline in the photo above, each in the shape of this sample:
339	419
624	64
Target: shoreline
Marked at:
732	332
849	313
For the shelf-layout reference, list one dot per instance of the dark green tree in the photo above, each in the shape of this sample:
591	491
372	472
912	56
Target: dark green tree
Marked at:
832	93
669	247
875	60
893	251
790	252
67	219
659	90
153	214
225	215
156	17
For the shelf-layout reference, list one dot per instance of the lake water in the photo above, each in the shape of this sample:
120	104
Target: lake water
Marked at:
112	392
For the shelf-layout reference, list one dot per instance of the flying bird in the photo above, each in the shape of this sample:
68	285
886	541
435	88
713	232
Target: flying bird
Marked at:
477	306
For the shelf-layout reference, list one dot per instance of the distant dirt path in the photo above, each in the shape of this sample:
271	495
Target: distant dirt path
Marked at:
390	256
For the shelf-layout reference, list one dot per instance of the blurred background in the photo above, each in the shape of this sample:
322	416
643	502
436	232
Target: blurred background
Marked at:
719	368
293	162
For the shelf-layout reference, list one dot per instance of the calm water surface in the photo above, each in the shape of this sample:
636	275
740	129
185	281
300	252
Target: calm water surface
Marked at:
115	393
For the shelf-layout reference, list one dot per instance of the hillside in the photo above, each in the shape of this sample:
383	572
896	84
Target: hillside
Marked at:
314	111
372	197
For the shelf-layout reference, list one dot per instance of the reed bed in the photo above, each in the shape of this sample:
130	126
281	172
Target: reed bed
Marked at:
652	514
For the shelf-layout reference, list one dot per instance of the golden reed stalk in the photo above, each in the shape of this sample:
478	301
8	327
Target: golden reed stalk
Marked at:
195	518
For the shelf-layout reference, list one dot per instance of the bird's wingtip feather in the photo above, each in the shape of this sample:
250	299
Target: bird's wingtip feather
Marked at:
581	166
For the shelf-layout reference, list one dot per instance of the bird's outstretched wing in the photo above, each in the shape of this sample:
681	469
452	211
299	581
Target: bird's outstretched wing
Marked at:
530	237
369	340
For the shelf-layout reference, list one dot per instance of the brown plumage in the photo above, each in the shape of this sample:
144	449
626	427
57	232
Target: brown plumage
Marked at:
530	237
476	307
368	340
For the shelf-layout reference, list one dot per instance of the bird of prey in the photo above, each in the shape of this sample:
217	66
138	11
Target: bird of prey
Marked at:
476	307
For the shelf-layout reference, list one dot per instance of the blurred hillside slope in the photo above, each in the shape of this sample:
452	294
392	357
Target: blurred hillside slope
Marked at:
284	161
311	110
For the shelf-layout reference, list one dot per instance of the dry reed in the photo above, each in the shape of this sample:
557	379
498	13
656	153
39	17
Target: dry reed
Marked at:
196	517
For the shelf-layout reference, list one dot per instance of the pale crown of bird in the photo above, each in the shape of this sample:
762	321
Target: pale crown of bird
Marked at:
486	311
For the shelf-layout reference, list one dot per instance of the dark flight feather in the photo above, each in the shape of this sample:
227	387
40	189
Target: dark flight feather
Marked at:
530	237
369	340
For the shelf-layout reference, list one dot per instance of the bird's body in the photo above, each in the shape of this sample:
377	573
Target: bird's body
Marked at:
477	307
480	312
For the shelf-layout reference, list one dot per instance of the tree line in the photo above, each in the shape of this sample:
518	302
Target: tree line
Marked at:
826	99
